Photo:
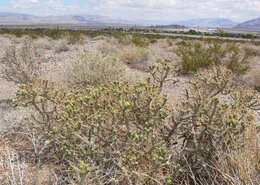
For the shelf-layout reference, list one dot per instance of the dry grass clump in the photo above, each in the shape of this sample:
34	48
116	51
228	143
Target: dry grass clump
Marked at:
252	51
62	46
109	47
75	37
242	165
43	43
124	39
253	79
16	169
13	171
21	66
135	57
94	69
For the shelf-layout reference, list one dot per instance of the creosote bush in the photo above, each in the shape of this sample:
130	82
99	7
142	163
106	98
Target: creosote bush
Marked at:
237	60
139	41
127	134
196	55
21	66
74	37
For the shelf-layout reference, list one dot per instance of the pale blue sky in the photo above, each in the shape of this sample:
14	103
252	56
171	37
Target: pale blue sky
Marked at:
160	11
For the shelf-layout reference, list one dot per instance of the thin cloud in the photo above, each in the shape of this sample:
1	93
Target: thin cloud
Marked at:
160	11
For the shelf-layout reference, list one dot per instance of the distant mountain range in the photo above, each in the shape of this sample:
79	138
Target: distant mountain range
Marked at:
26	19
13	18
208	23
251	25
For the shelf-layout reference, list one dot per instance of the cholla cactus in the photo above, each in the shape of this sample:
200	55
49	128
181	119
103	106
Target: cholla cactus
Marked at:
213	114
124	133
111	130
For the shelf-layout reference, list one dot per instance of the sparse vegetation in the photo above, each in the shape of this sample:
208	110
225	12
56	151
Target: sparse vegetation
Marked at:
238	61
74	37
22	66
139	41
196	55
96	125
136	57
62	47
122	129
209	124
94	69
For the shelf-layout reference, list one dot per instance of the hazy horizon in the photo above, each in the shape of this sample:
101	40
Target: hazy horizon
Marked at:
146	11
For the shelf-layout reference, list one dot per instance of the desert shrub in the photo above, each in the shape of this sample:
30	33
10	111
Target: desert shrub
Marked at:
169	42
125	133
180	42
16	32
62	47
111	130
43	43
256	82
74	37
152	41
109	47
252	52
212	118
237	61
32	35
252	79
196	55
94	69
135	57
124	39
21	66
55	33
193	56
139	41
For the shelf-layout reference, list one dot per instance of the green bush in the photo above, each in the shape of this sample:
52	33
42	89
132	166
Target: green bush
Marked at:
196	55
169	42
15	32
139	41
238	61
152	41
74	37
55	33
